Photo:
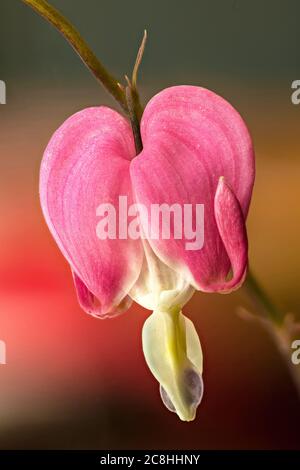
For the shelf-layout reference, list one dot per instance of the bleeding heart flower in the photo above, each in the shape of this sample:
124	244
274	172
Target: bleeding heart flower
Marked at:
196	150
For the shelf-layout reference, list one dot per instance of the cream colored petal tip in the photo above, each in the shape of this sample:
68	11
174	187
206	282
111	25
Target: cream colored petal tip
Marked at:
173	353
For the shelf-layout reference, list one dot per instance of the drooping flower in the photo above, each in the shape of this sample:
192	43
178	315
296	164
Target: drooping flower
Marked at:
196	150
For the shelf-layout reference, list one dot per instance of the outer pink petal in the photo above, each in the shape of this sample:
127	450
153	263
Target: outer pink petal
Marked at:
191	138
85	164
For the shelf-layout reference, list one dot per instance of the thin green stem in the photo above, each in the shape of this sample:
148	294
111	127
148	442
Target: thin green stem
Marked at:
135	109
138	109
261	301
134	120
280	326
70	33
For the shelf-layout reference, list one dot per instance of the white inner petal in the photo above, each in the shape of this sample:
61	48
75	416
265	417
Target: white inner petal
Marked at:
158	286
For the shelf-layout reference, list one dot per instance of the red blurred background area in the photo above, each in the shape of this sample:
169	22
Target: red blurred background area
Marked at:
74	381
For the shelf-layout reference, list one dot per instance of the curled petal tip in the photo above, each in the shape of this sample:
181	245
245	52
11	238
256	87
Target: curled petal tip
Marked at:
232	230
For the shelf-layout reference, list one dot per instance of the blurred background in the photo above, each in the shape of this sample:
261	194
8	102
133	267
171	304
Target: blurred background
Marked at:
72	381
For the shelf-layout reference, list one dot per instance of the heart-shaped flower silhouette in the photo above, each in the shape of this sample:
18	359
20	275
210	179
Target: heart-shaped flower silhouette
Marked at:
196	151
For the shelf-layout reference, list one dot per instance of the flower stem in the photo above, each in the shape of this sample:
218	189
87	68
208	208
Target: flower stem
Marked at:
133	116
282	327
134	90
261	301
135	109
70	33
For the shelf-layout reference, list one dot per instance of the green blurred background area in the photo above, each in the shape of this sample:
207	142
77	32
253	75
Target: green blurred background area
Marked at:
187	40
72	381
